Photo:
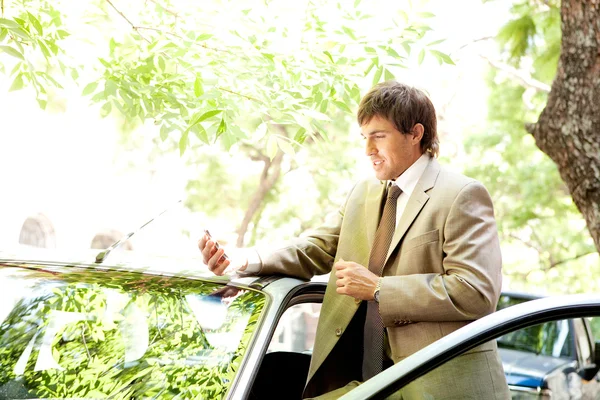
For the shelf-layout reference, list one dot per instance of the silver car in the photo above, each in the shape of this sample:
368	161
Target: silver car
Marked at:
72	327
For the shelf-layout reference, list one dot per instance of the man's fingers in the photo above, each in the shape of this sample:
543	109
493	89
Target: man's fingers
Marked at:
220	268
340	282
215	263
209	251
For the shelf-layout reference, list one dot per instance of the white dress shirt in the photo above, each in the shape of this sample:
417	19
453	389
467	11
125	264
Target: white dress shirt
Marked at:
407	182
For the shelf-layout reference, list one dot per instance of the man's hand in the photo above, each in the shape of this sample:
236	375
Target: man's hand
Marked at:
355	280
214	257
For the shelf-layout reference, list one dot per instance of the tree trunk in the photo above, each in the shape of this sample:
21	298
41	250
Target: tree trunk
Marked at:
568	129
270	174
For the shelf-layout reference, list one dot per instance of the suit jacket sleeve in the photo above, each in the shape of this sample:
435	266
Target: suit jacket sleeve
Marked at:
313	253
469	280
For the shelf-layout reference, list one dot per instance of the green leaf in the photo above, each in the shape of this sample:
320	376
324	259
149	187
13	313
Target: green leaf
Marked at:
426	15
12	51
348	32
388	75
161	63
421	56
110	88
328	54
204	36
183	143
164	132
406	47
286	146
272	147
392	52
342	106
201	134
21	33
198	89
221	129
206	116
442	57
260	132
377	75
436	42
3	33
17	83
324	105
36	23
44	48
89	88
300	136
62	33
404	16
7	23
105	110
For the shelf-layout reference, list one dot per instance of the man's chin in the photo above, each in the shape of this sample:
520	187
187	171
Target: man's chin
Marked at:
381	177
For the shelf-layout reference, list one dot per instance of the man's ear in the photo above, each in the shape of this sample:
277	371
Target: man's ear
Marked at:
417	132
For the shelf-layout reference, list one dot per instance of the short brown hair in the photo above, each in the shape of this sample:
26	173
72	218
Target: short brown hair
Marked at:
404	106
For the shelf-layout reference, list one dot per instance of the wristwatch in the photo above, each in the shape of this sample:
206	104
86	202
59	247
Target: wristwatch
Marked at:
377	289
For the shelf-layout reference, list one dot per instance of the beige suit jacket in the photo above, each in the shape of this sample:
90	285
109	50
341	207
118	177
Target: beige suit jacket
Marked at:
443	267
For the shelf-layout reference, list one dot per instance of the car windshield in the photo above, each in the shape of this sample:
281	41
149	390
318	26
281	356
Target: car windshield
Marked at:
92	334
549	339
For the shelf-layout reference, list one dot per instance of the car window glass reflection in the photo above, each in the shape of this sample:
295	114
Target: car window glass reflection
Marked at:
83	335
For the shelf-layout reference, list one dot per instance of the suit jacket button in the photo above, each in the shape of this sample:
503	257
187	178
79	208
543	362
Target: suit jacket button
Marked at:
338	332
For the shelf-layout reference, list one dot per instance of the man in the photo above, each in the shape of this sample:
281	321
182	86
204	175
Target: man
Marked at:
413	255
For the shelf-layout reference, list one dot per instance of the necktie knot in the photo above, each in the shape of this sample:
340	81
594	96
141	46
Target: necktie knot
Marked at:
393	192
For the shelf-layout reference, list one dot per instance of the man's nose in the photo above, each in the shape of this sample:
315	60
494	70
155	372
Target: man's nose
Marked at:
370	149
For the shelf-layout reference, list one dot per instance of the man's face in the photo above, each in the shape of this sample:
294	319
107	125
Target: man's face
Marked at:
390	151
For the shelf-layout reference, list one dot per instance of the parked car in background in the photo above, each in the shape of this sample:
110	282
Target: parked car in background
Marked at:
561	355
78	326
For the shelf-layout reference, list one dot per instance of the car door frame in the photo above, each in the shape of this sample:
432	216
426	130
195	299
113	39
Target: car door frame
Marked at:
478	332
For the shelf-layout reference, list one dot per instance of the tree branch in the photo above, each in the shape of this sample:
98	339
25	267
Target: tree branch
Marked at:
268	179
239	94
525	80
475	41
566	260
133	26
173	13
157	30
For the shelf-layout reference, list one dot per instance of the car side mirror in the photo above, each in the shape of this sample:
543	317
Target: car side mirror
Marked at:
588	372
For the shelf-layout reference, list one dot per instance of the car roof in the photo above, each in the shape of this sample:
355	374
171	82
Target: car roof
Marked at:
129	261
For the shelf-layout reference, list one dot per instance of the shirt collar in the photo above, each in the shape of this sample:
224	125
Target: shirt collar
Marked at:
409	178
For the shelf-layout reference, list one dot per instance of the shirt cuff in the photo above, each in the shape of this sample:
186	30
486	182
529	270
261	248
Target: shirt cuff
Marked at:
254	262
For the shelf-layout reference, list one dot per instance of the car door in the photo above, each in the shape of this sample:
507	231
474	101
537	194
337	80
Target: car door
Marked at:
483	330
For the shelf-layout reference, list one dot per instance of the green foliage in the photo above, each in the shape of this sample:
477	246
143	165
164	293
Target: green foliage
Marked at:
82	335
34	44
203	83
544	237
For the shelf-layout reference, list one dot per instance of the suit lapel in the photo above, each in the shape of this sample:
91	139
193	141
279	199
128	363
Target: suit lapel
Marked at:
373	209
415	203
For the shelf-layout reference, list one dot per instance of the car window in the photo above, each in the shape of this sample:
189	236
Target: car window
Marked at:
127	335
296	329
553	339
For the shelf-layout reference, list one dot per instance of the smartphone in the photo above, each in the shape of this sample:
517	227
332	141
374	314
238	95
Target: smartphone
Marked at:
224	256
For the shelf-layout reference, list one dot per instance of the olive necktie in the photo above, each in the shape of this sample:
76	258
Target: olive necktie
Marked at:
373	354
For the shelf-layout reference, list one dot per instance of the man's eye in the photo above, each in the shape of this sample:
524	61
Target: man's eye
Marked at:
379	136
